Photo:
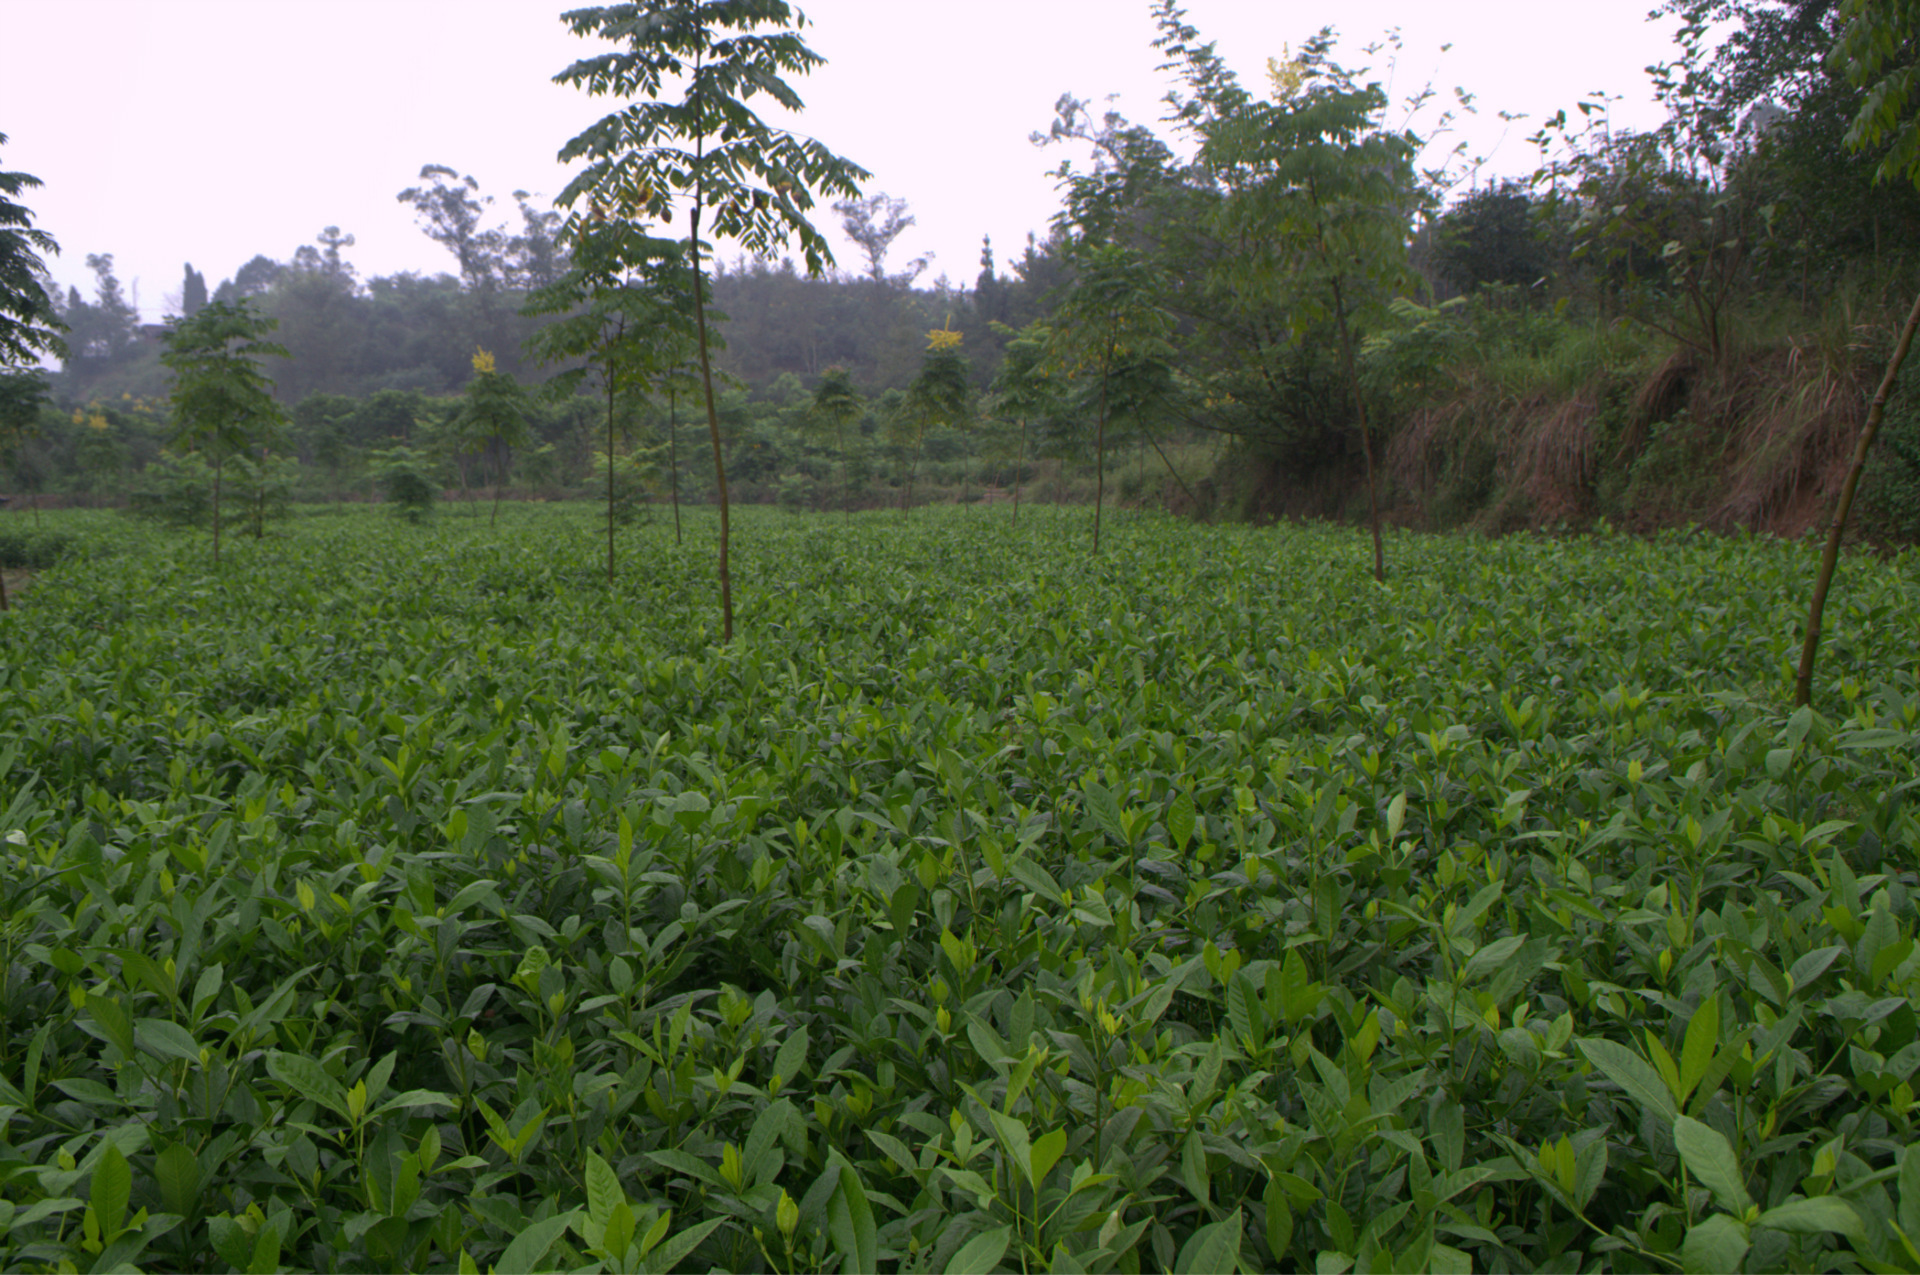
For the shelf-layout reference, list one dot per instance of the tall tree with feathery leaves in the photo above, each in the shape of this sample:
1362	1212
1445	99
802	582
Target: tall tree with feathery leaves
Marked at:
626	308
29	327
708	149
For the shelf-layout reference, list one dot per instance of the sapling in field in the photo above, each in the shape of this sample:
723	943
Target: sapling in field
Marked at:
708	150
222	401
1025	389
625	309
938	395
837	402
1112	337
492	417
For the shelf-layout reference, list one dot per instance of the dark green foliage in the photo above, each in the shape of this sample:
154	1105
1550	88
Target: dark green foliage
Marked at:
222	401
402	475
32	548
174	491
193	292
29	326
1460	921
1493	236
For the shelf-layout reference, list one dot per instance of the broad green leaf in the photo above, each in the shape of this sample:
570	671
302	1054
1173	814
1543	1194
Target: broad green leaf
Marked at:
1711	1160
1211	1250
603	1189
531	1245
1180	821
111	1188
113	1020
850	1225
1632	1073
166	1039
1011	1134
1714	1247
308	1079
981	1255
1045	1153
265	1258
1105	809
177	1171
665	1255
1702	1040
1813	1216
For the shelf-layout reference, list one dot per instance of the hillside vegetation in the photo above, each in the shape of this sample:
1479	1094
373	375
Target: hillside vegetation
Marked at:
1659	329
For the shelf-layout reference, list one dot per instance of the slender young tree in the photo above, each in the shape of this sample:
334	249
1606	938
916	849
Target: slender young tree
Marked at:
839	404
492	418
707	149
676	383
1320	195
222	401
938	395
1025	387
1111	335
625	309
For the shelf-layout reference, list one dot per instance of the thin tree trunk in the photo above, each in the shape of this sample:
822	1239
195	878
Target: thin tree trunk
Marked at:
1366	436
499	481
713	428
609	380
1830	557
906	506
1170	469
3	587
846	494
219	461
673	458
1100	452
1018	470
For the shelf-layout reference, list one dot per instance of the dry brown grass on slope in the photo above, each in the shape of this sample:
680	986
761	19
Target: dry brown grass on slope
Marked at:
1791	426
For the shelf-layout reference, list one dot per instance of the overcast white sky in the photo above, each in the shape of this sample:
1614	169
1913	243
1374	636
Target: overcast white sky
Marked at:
170	131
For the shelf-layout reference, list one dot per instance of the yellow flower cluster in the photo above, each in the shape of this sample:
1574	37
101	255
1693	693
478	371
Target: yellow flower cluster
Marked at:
482	361
943	339
1287	74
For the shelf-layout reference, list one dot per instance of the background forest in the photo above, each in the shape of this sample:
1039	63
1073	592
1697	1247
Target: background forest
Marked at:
1661	328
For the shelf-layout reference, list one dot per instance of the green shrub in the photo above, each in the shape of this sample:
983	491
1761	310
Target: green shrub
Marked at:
34	550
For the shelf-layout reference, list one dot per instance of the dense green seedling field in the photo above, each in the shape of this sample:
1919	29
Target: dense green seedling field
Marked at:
402	898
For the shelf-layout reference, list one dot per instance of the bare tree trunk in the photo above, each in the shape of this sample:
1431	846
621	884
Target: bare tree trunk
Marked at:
218	462
713	429
1018	470
499	481
1170	469
846	493
609	380
1366	436
673	458
1100	451
906	505
1830	557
